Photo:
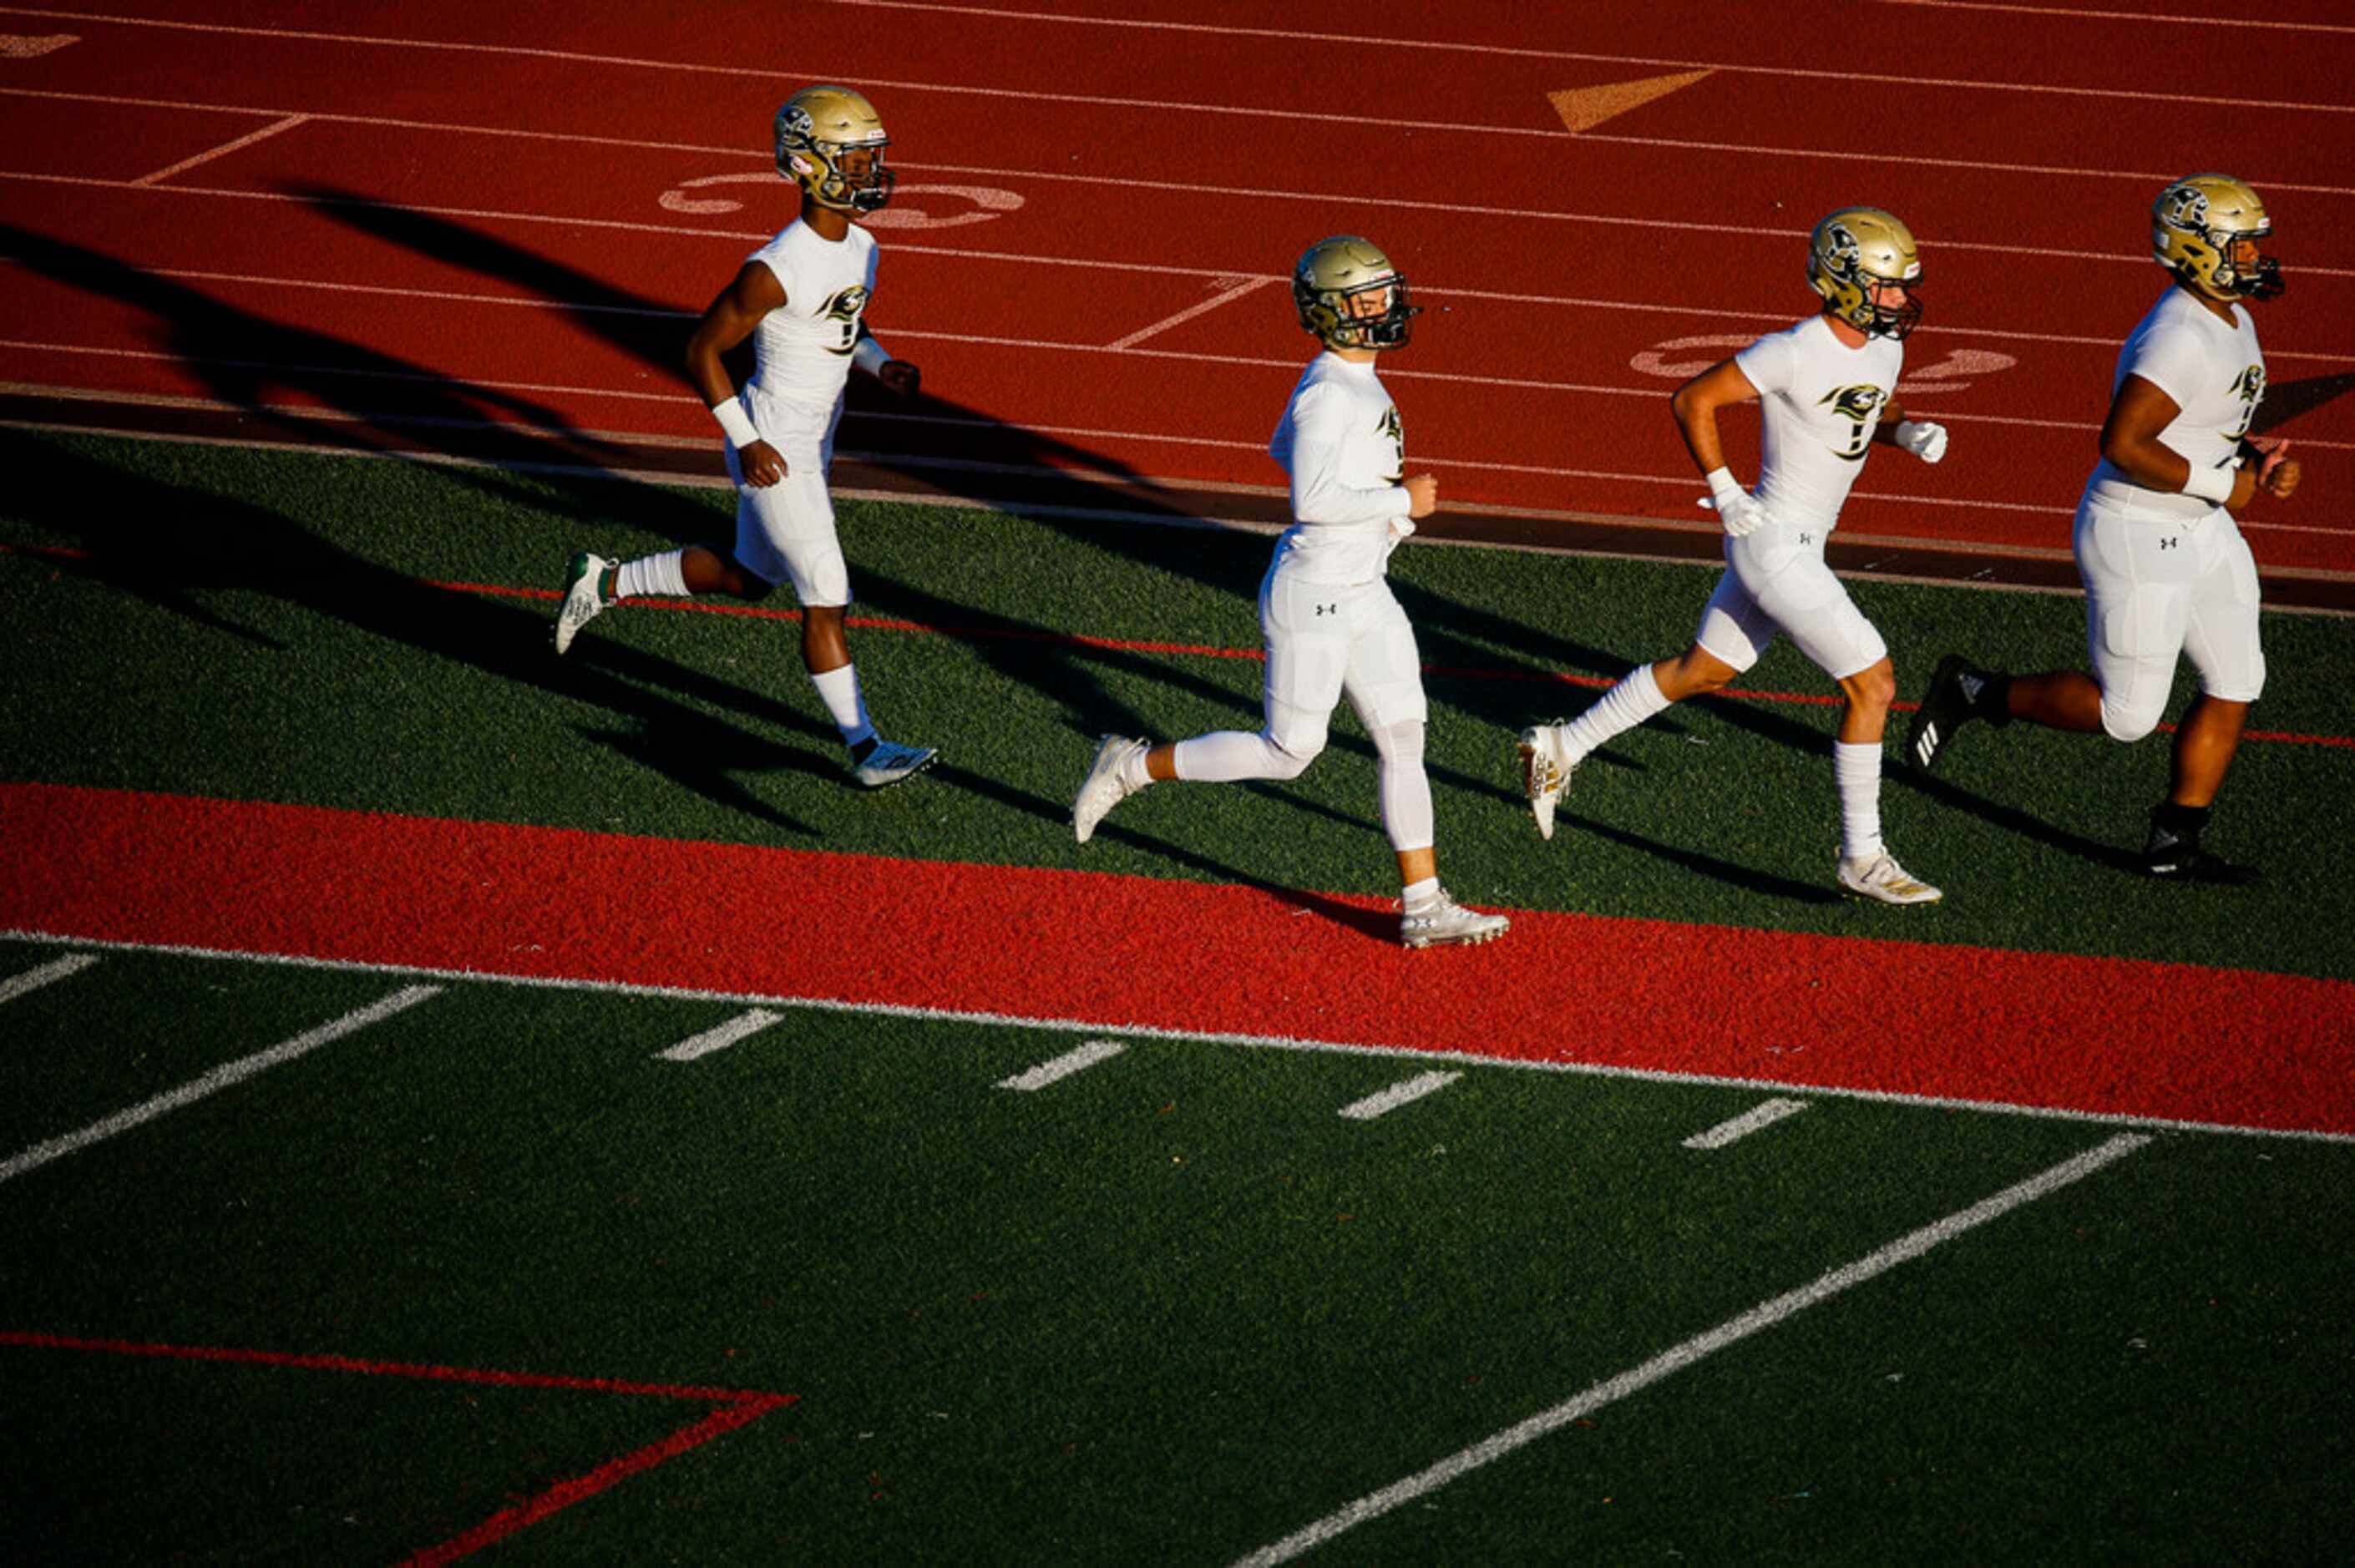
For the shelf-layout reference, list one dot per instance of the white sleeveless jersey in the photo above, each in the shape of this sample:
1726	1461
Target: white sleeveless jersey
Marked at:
800	351
2215	373
1341	442
1821	401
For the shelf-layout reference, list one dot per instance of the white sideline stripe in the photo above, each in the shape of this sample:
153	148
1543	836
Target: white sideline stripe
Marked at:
1213	303
1158	1031
226	148
738	1028
2138	176
2061	13
1765	1315
1511	52
1064	1065
220	1077
1397	1095
34	980
869	82
1748	1122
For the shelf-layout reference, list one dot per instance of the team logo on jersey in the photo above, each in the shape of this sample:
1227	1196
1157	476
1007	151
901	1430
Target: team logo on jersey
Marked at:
847	307
1860	407
1396	431
2249	387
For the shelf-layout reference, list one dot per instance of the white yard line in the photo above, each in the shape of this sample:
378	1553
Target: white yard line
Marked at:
1064	1065
742	1027
1764	1315
739	1027
1373	1050
226	148
220	1077
1188	314
34	980
1397	1095
1764	1115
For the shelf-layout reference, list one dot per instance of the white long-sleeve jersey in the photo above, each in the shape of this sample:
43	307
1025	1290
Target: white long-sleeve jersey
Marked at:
1341	442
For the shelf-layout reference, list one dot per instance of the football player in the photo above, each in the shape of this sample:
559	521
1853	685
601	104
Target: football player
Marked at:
1829	390
802	298
1333	627
2167	573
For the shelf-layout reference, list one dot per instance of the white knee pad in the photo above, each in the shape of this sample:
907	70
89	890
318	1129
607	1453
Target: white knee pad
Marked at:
2134	714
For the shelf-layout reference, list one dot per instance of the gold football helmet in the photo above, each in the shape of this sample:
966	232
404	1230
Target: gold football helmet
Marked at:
2208	229
1349	295
830	142
1854	251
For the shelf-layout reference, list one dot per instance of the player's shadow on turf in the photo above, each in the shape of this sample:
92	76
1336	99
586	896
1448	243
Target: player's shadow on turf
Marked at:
170	547
1748	878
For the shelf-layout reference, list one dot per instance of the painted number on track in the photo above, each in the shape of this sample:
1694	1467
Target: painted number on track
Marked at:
979	203
1675	360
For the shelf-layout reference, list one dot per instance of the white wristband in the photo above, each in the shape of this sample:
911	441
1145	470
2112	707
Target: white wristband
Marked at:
870	356
736	422
1722	481
2213	485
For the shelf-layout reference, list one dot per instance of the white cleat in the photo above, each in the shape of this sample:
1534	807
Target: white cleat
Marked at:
1103	788
1881	878
1544	773
887	764
1446	923
582	602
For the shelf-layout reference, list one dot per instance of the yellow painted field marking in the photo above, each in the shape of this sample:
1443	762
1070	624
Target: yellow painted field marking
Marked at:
1585	108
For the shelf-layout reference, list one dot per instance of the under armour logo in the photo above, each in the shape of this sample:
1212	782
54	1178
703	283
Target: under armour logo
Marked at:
1806	539
2169	544
1329	610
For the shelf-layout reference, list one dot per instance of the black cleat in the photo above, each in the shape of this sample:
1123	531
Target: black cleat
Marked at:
2174	851
1959	692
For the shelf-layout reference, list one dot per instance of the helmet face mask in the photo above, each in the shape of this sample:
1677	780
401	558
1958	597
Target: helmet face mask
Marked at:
2210	230
830	142
1864	264
1349	296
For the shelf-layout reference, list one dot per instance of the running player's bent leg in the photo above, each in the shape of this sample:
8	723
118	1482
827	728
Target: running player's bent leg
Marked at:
1226	756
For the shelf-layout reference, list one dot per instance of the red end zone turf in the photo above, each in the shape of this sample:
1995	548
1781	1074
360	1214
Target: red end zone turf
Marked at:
2108	1037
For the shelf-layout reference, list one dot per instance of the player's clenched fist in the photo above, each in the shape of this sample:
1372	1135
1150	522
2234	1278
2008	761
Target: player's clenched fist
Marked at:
1421	495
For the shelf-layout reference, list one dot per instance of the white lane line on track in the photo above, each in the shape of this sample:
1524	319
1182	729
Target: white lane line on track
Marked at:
1481	464
743	1026
1157	1031
1032	94
1765	1114
34	980
1765	1315
1225	296
2152	177
680	312
223	151
1403	1092
1064	1065
900	247
220	1077
2063	14
1519	52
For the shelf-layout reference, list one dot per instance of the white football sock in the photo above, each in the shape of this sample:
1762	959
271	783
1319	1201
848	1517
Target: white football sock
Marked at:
838	689
663	576
1133	774
1419	896
1635	698
1857	770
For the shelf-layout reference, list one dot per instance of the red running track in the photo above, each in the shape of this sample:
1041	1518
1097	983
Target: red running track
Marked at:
507	214
2105	1037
